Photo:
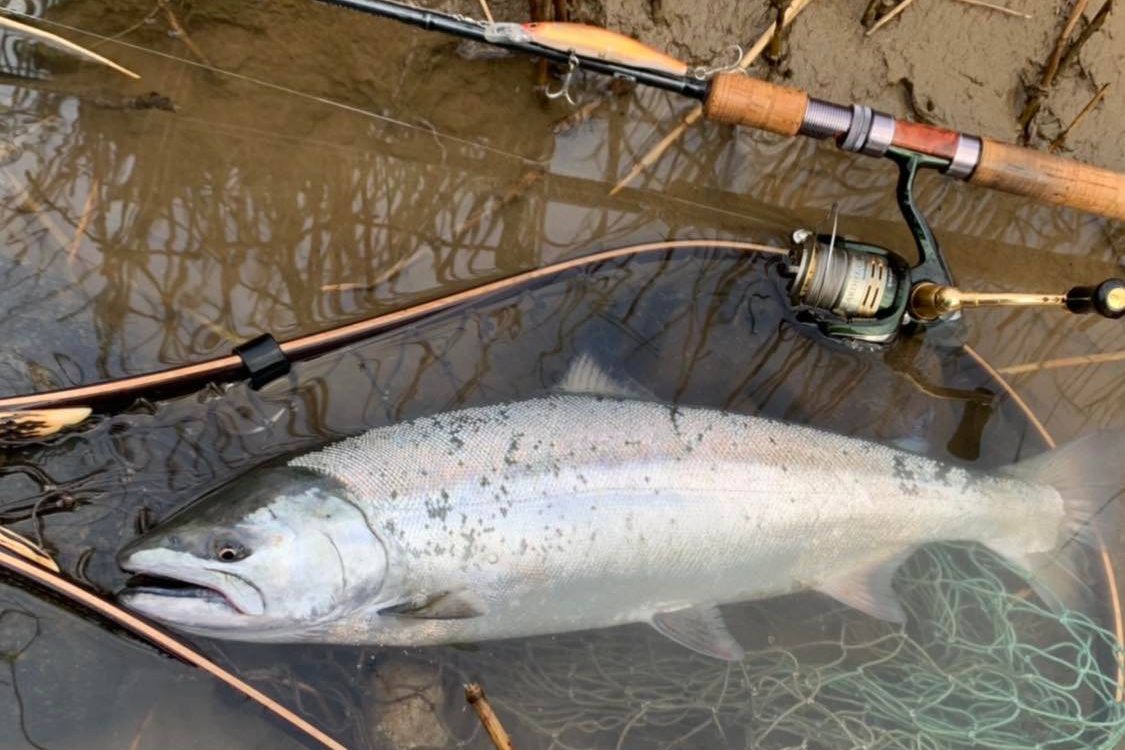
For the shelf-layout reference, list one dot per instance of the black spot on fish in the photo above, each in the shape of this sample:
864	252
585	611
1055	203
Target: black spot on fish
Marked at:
438	508
901	470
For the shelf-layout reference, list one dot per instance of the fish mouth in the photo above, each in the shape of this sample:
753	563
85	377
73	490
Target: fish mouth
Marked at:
167	583
174	588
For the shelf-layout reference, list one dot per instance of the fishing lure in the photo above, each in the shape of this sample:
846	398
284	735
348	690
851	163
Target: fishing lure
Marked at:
589	42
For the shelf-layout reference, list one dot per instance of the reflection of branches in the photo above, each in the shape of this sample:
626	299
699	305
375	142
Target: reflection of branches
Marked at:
10	655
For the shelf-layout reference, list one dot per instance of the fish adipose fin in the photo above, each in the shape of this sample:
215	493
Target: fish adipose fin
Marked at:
1089	474
869	590
701	629
446	605
587	377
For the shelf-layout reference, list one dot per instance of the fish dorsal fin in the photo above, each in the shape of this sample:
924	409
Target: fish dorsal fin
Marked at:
585	376
445	605
701	629
869	590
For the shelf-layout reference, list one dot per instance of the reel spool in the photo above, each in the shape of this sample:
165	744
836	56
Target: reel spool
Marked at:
845	280
848	289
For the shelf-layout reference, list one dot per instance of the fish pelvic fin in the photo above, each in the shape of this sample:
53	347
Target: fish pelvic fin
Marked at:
701	629
586	377
1089	475
868	588
444	605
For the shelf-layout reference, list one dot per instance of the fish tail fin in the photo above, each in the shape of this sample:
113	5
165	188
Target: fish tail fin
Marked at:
1089	475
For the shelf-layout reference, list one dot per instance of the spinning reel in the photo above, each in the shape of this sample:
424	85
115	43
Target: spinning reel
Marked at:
859	292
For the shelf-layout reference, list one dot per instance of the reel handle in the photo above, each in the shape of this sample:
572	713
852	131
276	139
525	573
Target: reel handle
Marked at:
741	100
929	301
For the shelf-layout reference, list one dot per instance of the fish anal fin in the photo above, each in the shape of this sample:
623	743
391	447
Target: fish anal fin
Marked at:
701	629
868	588
444	605
585	376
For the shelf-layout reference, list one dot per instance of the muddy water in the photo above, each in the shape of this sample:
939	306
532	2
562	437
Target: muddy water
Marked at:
318	181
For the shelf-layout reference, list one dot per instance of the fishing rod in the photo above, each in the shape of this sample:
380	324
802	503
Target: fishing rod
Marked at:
738	99
849	290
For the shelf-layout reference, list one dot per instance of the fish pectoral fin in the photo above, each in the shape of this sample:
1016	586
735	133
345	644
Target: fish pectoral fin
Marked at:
869	590
585	376
444	605
701	629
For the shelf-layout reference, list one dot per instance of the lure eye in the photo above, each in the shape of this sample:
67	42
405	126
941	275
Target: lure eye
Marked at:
229	550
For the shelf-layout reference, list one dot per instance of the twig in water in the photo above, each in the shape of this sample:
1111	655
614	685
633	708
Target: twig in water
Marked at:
181	32
136	743
696	112
512	192
69	46
487	11
889	17
32	424
393	270
1060	139
84	219
1056	364
997	8
26	548
474	694
1050	70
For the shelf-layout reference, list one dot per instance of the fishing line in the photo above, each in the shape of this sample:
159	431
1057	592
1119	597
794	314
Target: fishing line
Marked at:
284	89
438	135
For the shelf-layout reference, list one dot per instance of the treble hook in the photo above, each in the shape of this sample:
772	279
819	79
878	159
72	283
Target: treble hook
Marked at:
564	90
702	73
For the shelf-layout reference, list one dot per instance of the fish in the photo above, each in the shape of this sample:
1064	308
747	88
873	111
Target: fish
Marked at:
590	506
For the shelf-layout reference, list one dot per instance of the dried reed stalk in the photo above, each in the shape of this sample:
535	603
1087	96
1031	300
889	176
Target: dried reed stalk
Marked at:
889	17
474	694
1060	139
997	8
84	220
65	44
33	424
181	32
1051	69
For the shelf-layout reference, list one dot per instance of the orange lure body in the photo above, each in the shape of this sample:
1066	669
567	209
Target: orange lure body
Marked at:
591	41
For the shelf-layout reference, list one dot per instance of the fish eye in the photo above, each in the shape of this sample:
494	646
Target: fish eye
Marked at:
229	550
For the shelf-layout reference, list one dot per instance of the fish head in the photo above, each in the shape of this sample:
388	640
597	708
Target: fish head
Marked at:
275	555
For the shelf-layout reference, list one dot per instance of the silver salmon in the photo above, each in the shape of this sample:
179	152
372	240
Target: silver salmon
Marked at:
574	511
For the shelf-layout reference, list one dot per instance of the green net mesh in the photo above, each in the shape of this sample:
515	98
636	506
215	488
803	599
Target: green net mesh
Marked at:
980	664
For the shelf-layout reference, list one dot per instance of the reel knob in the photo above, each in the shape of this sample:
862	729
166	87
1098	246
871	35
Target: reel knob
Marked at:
1106	299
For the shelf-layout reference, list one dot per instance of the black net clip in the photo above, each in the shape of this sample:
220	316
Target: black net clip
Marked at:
263	359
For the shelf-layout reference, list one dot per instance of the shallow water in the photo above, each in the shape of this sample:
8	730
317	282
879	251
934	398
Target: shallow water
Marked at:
401	171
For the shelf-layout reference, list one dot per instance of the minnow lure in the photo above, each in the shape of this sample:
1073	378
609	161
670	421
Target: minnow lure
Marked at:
588	42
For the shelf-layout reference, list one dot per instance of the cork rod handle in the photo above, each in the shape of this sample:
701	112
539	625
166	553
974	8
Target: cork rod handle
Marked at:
1050	179
741	100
